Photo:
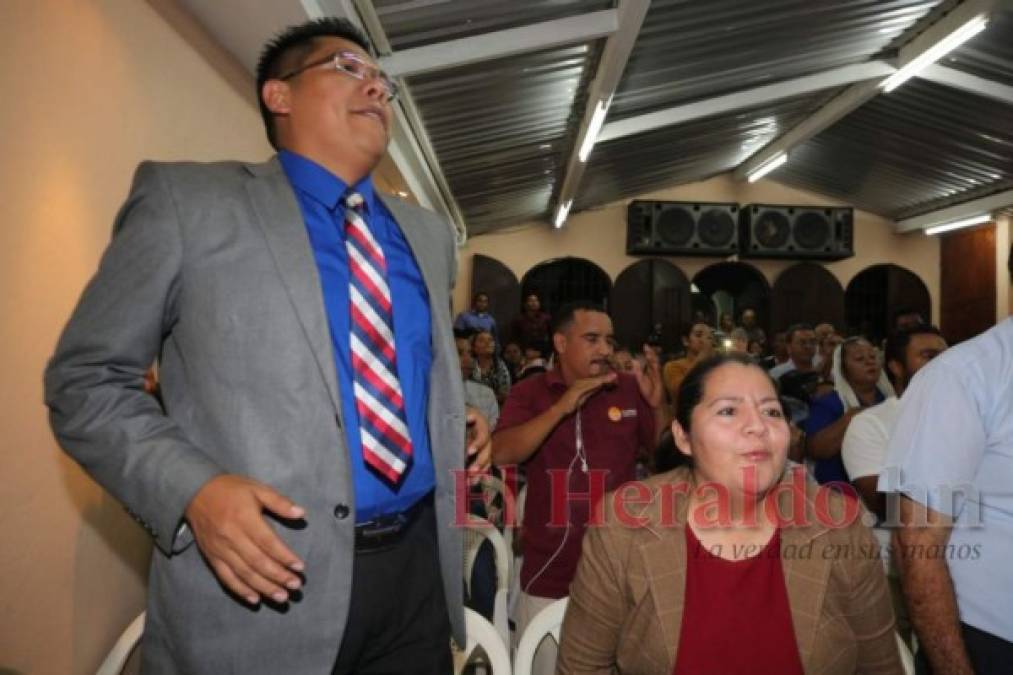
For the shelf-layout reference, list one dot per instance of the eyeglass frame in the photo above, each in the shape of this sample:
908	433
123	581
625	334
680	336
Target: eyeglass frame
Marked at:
385	81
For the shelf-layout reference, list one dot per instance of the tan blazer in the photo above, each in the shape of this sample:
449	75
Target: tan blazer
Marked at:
626	601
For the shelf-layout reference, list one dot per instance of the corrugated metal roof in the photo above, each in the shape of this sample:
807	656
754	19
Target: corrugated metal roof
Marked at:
922	147
989	54
502	129
687	51
687	152
413	23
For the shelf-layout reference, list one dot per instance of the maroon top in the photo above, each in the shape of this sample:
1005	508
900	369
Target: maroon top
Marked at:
531	331
736	618
615	422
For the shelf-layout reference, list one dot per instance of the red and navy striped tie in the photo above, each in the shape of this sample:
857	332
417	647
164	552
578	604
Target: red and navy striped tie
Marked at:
386	442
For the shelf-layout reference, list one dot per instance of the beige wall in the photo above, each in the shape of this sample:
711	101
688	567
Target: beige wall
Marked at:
600	236
91	87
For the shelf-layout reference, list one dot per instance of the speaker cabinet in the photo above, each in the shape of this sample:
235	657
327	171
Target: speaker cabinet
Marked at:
796	232
681	228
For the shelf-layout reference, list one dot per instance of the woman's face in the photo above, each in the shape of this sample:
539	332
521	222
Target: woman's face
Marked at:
699	342
860	363
738	435
484	344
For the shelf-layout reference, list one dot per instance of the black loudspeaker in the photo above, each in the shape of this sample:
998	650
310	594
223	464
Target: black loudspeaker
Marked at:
681	228
796	232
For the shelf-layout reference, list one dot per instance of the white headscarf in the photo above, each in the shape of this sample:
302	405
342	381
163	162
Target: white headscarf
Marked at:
843	388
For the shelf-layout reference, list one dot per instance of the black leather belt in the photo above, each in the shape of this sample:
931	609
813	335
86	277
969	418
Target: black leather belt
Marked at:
384	531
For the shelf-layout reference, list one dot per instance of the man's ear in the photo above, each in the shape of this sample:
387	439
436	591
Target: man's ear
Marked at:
275	95
559	342
681	439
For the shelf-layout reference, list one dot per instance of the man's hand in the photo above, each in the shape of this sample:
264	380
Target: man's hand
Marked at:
648	374
479	442
226	516
581	390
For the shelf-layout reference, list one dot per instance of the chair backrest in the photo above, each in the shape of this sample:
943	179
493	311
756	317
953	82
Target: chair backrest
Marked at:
477	530
482	634
546	623
118	655
906	658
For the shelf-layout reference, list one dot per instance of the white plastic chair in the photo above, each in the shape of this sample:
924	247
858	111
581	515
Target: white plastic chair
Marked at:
482	634
514	593
118	655
546	623
476	531
907	659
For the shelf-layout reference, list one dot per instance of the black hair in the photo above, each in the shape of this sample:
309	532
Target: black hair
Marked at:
794	328
689	326
286	50
897	342
562	319
464	333
691	389
905	310
478	294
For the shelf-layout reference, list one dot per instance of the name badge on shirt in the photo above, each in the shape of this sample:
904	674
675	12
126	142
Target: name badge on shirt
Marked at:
616	414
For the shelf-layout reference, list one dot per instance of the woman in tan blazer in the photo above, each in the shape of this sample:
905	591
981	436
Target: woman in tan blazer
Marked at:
736	564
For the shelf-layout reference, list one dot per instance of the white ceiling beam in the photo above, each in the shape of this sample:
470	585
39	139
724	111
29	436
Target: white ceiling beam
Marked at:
858	94
969	209
973	84
500	44
610	69
747	98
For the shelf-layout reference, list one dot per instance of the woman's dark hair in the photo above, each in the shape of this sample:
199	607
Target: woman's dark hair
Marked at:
691	389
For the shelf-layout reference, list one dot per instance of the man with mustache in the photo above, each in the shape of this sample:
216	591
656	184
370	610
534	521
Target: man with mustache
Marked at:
577	429
314	415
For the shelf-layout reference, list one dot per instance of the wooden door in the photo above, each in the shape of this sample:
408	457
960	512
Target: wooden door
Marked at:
967	292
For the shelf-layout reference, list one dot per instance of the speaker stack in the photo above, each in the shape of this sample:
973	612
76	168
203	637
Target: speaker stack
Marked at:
682	228
721	229
796	232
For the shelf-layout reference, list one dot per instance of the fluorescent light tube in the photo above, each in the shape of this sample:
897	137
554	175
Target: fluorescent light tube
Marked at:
957	224
561	214
767	167
593	129
935	52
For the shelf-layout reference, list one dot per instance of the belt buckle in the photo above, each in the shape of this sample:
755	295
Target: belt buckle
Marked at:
380	532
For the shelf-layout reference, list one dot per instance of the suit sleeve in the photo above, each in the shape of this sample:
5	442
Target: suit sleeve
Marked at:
98	408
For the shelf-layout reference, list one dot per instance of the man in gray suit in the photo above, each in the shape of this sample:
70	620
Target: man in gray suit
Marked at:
313	411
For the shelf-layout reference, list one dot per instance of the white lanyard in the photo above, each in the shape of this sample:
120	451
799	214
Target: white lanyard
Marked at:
579	436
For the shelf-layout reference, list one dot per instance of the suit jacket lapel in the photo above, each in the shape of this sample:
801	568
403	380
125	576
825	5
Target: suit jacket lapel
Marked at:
279	217
419	243
805	569
665	564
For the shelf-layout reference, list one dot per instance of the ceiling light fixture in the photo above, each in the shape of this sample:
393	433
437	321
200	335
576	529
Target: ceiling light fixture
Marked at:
562	212
957	224
765	168
935	52
593	129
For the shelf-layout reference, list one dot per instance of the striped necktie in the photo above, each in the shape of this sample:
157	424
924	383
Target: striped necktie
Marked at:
386	443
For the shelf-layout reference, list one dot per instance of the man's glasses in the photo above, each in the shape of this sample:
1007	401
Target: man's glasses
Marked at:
353	65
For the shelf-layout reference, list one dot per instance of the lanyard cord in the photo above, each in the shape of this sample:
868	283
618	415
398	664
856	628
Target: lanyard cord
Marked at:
579	437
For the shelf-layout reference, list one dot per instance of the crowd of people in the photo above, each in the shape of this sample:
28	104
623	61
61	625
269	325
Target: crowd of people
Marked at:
816	401
300	471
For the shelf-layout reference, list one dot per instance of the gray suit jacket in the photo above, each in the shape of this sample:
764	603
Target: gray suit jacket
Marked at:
210	268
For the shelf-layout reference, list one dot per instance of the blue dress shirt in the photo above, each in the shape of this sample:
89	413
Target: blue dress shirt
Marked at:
319	194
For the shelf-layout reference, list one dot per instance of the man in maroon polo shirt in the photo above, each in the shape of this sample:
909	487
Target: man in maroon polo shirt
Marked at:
577	428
